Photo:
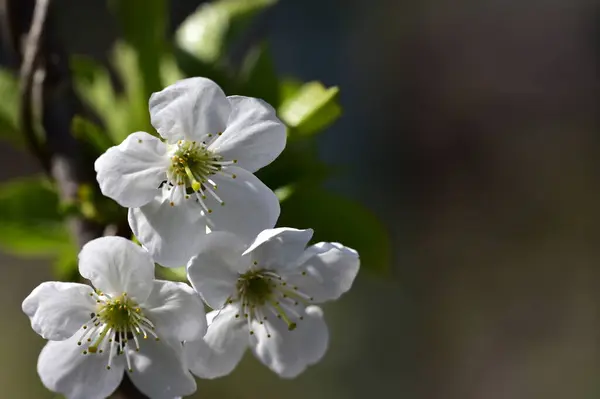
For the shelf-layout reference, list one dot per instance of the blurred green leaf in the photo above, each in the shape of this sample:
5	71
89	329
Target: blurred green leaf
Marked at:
136	99
94	86
258	76
31	222
298	163
172	273
9	108
91	133
65	266
338	219
288	87
311	109
144	26
206	32
193	66
121	113
169	70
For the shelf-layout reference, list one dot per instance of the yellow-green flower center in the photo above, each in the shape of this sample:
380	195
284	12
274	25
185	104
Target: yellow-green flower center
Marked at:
190	175
118	319
263	292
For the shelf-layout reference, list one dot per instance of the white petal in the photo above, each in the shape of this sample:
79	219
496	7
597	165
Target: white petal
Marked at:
279	248
330	271
116	265
250	206
170	233
131	172
58	310
254	135
176	311
64	369
215	270
288	353
223	347
189	109
160	370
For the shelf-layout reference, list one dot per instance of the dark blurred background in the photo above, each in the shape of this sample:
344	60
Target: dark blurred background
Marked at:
471	129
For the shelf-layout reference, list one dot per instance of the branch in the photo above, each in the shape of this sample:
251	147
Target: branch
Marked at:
45	71
29	66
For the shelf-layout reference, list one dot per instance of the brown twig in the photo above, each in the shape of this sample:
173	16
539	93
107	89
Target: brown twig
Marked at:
29	67
46	78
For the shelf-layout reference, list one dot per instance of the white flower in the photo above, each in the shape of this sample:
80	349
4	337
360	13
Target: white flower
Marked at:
264	294
130	322
201	174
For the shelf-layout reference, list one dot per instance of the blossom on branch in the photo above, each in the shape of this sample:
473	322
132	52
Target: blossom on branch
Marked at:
264	296
198	176
129	322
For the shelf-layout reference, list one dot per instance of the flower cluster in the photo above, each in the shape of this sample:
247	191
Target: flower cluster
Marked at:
193	200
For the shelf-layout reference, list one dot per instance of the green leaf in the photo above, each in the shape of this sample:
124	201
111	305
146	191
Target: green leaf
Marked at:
144	28
193	66
94	86
172	273
65	266
135	98
121	113
207	32
298	163
258	76
31	223
9	108
288	87
91	133
311	109
338	219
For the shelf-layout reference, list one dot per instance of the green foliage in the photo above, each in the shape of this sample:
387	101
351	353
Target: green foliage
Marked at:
91	133
65	265
121	111
337	219
9	108
31	222
116	104
258	77
311	109
143	23
207	32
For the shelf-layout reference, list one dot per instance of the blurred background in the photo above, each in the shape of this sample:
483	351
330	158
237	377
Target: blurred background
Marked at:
470	129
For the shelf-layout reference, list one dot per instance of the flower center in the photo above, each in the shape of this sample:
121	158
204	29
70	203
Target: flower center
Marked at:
262	293
192	166
116	321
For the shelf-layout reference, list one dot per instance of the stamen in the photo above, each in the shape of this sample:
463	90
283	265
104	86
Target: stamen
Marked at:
116	321
192	164
260	291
